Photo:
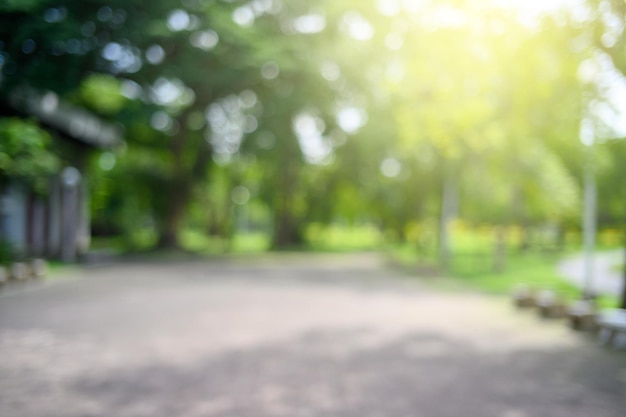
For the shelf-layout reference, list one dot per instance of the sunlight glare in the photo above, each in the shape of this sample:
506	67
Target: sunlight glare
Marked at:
357	27
351	119
310	23
534	8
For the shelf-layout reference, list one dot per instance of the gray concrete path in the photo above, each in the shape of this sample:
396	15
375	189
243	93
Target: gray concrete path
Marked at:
289	336
606	278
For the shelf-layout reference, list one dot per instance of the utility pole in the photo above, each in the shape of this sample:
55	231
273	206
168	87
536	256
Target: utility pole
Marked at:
622	303
587	137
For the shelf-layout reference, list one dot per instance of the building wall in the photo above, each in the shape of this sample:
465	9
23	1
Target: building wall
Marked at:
14	211
56	226
53	221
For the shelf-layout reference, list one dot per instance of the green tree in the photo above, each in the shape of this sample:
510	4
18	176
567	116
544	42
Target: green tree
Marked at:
26	156
26	159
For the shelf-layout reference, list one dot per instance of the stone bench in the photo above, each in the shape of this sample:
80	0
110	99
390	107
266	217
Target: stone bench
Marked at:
549	305
582	315
524	297
612	323
22	271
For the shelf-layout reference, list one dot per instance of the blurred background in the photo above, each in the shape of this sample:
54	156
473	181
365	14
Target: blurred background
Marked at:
460	136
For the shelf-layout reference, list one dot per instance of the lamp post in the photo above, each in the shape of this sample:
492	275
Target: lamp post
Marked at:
587	137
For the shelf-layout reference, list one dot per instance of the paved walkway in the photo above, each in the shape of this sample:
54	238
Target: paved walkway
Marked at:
295	336
606	278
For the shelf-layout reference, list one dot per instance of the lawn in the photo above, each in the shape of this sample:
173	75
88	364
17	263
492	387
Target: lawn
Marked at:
472	266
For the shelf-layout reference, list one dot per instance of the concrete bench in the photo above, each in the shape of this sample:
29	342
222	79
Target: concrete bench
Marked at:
612	323
19	271
582	315
549	305
524	297
22	271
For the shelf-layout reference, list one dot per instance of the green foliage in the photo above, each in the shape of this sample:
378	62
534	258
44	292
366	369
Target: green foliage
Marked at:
343	238
242	243
102	93
210	102
6	252
20	5
472	267
611	195
25	154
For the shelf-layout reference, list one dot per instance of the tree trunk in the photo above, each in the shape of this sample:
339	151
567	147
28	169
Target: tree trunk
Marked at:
168	233
526	239
182	185
499	254
518	217
287	233
448	211
623	300
589	221
287	227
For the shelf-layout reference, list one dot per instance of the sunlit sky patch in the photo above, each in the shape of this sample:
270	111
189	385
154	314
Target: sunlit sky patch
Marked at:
229	122
330	71
314	144
155	54
357	26
309	130
243	16
204	40
351	119
536	7
310	23
610	113
447	14
390	167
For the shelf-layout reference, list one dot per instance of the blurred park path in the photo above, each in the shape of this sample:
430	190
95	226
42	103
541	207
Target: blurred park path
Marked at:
303	335
607	271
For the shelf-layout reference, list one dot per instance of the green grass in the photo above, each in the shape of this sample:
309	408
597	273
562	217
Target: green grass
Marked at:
195	241
140	240
531	269
474	271
243	243
59	269
320	238
339	238
250	243
114	243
